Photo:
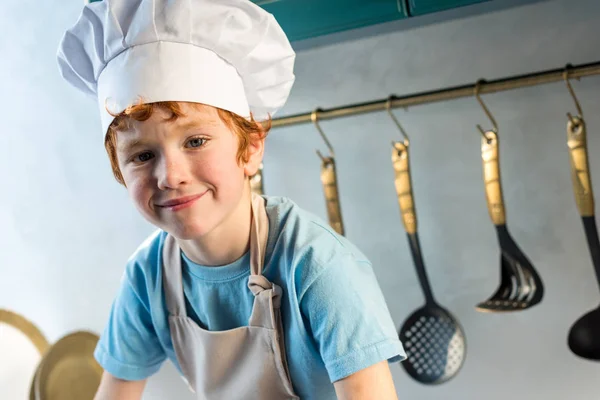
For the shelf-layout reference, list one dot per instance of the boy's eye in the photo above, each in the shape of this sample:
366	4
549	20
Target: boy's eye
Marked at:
143	157
196	142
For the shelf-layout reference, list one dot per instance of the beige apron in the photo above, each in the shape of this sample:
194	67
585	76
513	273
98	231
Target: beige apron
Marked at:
242	363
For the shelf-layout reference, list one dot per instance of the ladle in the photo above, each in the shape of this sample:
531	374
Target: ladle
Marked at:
584	335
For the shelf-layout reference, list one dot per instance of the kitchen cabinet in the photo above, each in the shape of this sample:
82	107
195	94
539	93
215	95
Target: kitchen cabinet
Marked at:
303	19
420	7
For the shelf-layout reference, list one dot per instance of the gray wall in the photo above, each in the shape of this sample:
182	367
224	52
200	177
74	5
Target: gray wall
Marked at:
69	228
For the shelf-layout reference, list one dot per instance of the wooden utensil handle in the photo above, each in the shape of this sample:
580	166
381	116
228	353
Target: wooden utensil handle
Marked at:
256	181
402	181
492	179
580	169
332	197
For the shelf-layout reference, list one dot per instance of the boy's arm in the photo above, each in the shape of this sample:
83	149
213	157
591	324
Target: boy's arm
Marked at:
112	388
348	318
372	383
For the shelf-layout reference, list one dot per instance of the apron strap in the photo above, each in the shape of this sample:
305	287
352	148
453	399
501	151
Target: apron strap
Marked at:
259	234
172	281
171	257
266	312
267	296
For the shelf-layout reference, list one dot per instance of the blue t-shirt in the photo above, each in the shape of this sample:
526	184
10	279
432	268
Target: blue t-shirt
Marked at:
335	318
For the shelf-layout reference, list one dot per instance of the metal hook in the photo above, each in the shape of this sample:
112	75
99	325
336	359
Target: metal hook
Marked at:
487	112
389	110
314	117
577	105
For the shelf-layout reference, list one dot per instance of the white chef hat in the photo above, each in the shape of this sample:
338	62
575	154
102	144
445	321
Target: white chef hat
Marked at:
230	54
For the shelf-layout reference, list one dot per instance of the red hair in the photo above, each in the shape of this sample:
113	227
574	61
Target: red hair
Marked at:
247	131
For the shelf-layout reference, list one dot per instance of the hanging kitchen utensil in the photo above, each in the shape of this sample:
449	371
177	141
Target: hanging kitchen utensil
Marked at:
69	370
22	346
256	181
433	339
584	335
520	285
329	181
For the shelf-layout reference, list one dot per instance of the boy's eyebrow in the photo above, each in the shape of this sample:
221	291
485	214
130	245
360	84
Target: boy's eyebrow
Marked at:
128	145
195	123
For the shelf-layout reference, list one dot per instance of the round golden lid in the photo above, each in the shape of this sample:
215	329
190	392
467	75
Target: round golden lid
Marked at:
32	386
22	346
26	327
69	370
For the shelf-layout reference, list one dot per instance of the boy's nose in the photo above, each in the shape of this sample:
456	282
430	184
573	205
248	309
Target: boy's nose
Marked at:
171	173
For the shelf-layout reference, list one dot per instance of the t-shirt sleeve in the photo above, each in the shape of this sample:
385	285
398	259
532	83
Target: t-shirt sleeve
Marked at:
349	318
129	348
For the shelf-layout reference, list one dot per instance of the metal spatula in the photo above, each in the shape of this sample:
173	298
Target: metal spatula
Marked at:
433	339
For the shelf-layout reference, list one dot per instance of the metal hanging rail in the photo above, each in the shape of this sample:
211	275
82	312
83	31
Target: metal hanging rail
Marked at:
498	85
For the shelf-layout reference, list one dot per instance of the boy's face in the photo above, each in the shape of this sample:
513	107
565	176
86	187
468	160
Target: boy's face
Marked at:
183	175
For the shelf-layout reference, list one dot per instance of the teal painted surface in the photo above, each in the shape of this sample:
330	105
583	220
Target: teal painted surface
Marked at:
303	19
420	7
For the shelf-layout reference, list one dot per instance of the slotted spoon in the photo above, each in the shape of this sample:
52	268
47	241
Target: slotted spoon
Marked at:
432	338
520	285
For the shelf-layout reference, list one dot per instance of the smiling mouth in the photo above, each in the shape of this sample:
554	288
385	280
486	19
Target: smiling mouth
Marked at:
180	203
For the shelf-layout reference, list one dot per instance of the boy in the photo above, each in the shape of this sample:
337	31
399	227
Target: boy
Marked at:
249	296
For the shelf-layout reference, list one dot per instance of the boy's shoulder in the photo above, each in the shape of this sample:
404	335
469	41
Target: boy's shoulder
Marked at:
296	234
142	269
306	235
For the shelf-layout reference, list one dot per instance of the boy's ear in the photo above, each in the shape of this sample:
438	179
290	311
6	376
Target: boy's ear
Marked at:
254	152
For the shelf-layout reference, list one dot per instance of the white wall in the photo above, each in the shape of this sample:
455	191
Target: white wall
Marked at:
69	227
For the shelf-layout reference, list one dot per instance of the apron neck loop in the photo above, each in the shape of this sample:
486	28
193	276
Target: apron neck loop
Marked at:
259	232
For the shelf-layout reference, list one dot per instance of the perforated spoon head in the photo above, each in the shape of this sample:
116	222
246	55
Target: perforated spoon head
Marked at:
434	343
